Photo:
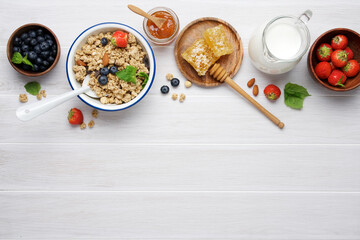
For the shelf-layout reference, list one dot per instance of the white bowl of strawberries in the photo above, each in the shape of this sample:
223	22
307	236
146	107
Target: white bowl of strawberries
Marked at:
334	58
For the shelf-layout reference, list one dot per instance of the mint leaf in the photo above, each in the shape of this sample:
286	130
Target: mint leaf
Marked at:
145	77
17	58
293	101
295	95
33	88
128	74
27	61
296	90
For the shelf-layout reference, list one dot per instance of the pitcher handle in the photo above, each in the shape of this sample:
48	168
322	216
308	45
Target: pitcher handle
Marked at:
307	14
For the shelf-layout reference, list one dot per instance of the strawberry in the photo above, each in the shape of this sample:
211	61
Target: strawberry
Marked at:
339	42
75	116
337	78
323	70
349	53
272	92
332	66
323	52
339	58
119	39
351	69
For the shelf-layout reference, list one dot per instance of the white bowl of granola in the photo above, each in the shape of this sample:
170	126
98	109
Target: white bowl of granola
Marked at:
87	57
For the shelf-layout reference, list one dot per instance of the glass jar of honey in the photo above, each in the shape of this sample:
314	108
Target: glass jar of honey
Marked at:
169	30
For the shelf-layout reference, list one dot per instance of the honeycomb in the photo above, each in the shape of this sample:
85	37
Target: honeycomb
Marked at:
218	42
200	56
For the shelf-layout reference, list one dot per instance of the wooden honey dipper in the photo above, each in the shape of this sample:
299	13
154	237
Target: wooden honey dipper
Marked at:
221	75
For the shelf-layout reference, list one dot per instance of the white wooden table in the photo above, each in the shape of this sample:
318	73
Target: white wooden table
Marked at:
212	167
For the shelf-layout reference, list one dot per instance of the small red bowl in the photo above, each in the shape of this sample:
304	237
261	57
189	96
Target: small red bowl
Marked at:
354	44
17	33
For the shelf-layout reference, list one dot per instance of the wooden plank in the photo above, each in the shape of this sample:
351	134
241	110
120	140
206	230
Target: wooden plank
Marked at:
136	167
161	215
215	120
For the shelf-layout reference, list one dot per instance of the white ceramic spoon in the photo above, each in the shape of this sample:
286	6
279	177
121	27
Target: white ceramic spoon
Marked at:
32	110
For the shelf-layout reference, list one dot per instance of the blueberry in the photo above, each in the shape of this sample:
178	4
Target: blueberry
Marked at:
164	89
45	54
50	42
17	41
33	42
38	61
42	68
103	80
44	46
51	59
16	49
24	48
32	56
47	36
54	47
40	39
39	32
32	34
104	41
24	36
36	68
37	49
53	53
27	40
25	53
45	63
175	82
113	69
104	71
25	67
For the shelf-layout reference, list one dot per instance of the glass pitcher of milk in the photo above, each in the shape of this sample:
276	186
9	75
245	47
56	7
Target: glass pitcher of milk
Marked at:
277	46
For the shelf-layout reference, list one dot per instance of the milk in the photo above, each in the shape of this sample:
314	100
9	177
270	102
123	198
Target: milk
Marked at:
277	47
283	40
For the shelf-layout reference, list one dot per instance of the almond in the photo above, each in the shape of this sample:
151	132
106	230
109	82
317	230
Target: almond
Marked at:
80	63
256	90
105	59
251	82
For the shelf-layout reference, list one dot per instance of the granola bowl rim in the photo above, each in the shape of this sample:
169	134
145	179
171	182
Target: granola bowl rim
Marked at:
80	41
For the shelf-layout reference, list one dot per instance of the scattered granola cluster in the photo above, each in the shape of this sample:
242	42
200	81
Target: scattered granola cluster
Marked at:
169	76
90	124
41	94
94	55
23	98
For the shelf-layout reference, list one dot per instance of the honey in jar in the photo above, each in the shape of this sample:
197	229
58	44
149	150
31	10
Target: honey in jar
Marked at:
166	30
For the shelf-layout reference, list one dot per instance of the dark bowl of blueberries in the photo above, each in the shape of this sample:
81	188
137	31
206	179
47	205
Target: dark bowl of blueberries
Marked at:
33	50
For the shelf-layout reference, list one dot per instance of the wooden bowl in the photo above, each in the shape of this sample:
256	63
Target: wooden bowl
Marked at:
354	44
193	31
17	33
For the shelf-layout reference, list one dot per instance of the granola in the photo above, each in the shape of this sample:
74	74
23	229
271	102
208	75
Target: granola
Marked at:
23	98
91	124
92	55
182	97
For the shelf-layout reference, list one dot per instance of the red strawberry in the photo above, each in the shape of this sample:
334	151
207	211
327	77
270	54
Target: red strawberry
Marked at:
337	78
323	52
332	66
339	42
75	116
323	70
272	92
120	39
349	53
351	69
339	58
